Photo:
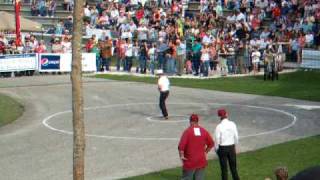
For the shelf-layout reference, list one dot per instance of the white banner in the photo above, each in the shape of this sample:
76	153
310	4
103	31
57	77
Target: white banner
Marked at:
62	62
310	59
18	62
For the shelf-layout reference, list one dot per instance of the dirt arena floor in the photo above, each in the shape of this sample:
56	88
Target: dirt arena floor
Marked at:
125	134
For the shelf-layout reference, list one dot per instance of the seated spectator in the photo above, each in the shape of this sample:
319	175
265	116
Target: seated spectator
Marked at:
34	8
41	48
59	29
2	48
66	44
68	5
68	24
52	4
56	46
42	8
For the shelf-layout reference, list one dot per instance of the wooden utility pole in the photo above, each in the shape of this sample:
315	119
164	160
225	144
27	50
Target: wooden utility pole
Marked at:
77	94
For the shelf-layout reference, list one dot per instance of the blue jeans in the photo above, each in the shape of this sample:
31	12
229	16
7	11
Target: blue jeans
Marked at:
152	64
196	63
128	63
171	66
231	63
161	60
98	63
143	64
205	68
105	63
119	60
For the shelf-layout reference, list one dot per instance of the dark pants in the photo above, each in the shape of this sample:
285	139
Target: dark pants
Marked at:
196	63
105	64
227	154
128	63
163	96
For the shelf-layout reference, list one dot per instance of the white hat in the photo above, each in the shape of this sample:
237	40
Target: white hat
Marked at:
159	71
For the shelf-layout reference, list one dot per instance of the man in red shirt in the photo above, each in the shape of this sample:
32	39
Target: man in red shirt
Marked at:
193	147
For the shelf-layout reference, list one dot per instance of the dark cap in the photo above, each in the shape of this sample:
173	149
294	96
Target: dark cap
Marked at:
222	113
194	118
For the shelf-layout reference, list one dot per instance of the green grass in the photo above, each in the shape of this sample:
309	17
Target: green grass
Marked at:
257	165
298	85
10	110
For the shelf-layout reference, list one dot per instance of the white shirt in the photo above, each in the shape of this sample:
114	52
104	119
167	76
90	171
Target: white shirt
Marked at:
87	12
226	133
240	16
256	56
129	50
163	83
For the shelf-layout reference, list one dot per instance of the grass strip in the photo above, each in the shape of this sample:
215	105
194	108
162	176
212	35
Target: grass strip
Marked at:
10	110
298	85
257	165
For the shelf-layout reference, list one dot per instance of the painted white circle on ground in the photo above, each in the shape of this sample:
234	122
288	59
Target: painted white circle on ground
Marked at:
172	118
45	121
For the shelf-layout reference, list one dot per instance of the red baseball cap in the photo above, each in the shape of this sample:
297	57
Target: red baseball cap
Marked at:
222	113
194	118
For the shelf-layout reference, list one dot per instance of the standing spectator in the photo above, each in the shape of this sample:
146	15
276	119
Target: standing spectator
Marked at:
136	49
205	58
120	53
163	87
256	55
89	45
171	55
194	145
143	57
152	57
96	49
106	54
196	54
128	54
226	137
181	51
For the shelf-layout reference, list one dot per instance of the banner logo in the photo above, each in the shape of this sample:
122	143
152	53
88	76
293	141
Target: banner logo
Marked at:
44	62
50	62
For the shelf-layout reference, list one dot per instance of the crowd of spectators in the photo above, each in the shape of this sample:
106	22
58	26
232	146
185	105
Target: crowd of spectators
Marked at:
226	37
48	7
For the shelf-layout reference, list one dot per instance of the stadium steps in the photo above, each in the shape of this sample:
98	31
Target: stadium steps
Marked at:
24	12
46	20
25	7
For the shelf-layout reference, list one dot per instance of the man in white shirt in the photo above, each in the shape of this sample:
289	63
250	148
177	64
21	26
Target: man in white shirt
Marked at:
163	87
128	55
226	137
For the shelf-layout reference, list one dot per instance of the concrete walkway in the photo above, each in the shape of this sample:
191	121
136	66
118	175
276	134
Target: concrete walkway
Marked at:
125	136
